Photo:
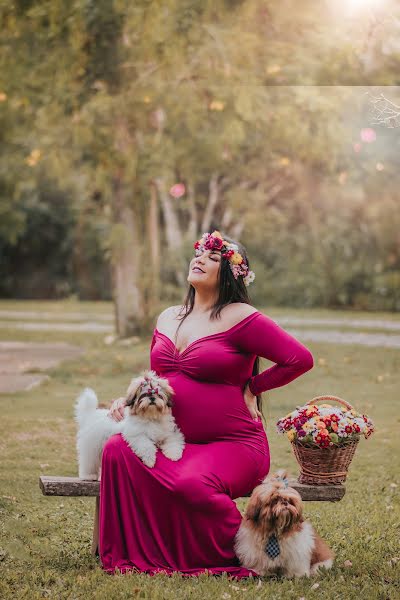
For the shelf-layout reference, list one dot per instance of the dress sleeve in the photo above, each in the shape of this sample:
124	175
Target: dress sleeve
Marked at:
263	337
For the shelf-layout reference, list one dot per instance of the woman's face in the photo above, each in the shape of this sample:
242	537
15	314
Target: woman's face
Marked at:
203	269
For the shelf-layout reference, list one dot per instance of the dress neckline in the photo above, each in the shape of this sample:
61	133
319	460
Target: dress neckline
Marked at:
205	337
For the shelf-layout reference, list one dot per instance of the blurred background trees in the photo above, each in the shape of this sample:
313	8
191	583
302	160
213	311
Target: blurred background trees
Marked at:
129	129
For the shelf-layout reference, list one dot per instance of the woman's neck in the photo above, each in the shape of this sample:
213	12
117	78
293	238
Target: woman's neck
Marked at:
203	302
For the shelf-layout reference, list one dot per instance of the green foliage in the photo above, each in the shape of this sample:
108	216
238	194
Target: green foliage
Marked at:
106	94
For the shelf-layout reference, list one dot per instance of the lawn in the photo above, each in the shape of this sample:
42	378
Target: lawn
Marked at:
45	542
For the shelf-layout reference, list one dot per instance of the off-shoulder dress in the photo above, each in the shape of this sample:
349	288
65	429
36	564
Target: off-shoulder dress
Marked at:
181	515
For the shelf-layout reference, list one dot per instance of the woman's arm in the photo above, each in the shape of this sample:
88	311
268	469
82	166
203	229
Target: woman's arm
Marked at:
264	337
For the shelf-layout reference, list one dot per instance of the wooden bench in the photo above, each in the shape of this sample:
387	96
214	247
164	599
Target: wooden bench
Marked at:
73	486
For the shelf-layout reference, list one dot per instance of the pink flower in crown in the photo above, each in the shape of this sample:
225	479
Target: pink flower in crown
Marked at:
215	243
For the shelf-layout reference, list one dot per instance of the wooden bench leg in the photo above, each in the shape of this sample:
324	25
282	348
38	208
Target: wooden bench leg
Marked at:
95	542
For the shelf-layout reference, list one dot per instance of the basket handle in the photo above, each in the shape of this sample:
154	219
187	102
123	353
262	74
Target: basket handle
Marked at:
334	398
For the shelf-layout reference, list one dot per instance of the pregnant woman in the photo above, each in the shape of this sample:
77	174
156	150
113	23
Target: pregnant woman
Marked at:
181	515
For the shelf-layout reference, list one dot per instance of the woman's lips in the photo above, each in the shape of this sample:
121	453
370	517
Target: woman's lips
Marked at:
197	270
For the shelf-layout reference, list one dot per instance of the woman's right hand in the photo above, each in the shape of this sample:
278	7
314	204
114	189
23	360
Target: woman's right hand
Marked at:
117	409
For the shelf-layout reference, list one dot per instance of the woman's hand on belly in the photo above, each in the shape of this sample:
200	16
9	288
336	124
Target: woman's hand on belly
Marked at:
251	403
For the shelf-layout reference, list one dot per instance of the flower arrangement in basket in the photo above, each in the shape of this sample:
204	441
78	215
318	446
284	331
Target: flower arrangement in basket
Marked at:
324	438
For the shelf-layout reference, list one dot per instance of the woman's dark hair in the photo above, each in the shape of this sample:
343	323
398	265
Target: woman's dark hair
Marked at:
231	290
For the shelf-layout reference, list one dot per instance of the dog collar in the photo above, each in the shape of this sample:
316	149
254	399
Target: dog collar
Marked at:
272	546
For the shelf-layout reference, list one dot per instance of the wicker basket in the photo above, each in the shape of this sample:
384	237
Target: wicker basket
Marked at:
324	466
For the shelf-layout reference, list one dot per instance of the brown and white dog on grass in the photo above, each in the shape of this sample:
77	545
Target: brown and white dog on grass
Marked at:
274	537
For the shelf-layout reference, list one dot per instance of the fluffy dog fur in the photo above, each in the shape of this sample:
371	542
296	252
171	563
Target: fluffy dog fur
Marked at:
147	424
276	509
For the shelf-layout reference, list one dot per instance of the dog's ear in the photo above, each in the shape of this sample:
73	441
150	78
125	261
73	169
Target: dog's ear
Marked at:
132	390
254	507
281	474
167	386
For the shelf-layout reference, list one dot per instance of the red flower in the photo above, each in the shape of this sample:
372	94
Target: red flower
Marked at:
216	243
325	442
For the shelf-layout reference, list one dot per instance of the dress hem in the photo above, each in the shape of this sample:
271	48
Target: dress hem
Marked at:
232	572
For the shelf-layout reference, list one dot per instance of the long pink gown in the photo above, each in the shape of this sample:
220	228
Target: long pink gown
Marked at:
181	515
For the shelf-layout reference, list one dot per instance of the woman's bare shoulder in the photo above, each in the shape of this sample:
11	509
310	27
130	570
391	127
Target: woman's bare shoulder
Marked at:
167	315
237	311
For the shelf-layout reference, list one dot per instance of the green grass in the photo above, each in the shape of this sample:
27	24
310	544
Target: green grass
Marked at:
45	542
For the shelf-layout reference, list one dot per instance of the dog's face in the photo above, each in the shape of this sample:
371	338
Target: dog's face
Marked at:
274	508
149	395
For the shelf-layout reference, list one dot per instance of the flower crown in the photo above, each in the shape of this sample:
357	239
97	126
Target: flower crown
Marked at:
215	241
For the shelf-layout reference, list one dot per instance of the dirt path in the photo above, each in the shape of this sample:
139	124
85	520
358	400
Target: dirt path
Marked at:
18	359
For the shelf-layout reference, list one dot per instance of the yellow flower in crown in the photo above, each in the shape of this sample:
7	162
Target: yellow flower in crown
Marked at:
236	258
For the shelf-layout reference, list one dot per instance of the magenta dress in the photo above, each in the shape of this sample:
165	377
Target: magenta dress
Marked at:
181	515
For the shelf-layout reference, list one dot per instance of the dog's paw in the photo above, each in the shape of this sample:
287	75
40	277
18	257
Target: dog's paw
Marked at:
173	454
149	462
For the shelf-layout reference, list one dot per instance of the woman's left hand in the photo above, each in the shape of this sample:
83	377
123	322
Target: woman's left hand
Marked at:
251	403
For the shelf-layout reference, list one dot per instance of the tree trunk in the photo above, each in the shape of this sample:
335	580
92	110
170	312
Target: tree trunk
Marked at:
211	204
153	274
192	227
173	232
126	254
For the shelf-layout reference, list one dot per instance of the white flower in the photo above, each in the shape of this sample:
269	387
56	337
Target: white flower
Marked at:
249	277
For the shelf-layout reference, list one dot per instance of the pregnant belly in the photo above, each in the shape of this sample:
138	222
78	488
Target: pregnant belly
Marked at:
209	411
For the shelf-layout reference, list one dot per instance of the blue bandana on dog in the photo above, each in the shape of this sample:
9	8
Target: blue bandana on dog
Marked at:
272	546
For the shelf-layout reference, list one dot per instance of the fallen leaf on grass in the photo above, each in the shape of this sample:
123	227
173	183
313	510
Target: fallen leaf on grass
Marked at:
348	563
315	586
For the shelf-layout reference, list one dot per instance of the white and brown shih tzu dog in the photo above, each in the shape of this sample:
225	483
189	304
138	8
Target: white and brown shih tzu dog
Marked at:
148	424
274	538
